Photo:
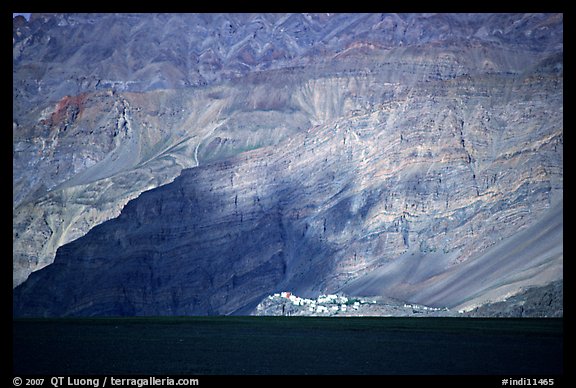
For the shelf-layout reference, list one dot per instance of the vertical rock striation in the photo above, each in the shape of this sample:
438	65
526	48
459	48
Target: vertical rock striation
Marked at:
412	164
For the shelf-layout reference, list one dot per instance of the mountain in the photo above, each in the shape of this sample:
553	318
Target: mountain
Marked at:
194	164
544	301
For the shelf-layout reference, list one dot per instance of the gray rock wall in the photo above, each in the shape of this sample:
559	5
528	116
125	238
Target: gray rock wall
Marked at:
347	165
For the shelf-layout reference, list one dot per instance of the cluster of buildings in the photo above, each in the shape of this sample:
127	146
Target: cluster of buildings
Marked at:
287	304
324	304
425	308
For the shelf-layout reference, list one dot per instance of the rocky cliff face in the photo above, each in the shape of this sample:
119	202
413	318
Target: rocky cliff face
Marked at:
416	157
535	302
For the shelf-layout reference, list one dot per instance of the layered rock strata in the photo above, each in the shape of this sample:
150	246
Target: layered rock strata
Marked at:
430	171
419	186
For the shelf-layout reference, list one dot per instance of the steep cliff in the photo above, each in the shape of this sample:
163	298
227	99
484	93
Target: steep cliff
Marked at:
421	162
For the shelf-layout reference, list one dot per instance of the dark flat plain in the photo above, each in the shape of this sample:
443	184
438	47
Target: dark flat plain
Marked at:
288	345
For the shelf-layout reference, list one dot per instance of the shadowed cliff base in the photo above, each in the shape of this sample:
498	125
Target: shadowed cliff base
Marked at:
425	165
229	251
317	213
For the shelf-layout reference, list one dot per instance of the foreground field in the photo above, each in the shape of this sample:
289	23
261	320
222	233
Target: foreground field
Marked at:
288	345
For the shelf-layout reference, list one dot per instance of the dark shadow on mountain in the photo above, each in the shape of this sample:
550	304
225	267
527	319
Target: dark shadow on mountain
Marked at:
193	247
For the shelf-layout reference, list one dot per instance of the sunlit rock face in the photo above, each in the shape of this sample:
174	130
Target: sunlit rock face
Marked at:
418	157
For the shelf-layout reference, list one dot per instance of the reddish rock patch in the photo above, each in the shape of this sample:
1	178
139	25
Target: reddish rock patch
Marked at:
68	109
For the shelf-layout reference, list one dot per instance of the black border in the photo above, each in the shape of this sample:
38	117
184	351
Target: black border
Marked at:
296	6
